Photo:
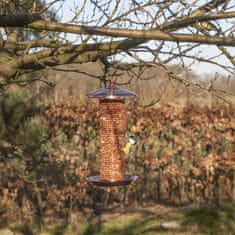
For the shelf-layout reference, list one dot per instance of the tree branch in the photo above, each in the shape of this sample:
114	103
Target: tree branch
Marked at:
71	54
154	34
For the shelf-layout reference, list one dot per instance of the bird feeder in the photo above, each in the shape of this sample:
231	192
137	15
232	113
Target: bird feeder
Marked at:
113	125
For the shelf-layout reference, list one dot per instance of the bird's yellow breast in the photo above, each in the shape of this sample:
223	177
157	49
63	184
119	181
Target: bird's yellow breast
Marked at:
127	148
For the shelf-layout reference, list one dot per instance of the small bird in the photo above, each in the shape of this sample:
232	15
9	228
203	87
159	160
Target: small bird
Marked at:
131	141
207	26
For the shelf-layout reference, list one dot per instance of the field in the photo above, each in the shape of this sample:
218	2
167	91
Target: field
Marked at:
183	157
159	219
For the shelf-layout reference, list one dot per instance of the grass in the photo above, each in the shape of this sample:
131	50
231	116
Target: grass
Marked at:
202	220
122	225
212	220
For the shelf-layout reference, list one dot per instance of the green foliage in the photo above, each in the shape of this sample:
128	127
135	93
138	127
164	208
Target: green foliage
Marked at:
26	7
23	149
22	229
23	7
33	136
20	130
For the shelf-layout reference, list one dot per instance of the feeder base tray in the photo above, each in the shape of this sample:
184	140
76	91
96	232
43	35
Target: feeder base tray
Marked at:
99	182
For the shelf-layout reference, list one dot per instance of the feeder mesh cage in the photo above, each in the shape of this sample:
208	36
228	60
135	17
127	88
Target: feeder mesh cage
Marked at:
113	123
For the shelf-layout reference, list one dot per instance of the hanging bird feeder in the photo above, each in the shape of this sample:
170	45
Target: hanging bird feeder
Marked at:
113	124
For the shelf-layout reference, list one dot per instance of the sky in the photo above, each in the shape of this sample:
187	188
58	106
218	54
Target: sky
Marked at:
66	12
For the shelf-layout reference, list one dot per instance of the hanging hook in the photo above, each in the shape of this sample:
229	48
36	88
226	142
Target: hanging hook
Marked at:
111	87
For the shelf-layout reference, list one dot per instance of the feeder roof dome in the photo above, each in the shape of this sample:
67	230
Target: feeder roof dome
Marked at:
112	93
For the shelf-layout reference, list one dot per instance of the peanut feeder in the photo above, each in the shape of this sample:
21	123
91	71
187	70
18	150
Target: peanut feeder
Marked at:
113	124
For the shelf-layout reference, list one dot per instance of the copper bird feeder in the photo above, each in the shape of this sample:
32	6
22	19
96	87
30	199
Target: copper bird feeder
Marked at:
113	124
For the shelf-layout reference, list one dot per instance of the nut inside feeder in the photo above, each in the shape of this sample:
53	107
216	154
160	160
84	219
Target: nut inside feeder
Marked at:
113	124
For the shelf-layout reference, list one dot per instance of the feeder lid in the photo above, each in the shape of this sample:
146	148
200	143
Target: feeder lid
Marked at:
112	92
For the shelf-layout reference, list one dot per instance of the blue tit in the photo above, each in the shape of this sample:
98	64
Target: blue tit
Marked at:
207	25
131	141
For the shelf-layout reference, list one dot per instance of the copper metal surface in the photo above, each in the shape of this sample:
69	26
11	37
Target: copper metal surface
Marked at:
112	139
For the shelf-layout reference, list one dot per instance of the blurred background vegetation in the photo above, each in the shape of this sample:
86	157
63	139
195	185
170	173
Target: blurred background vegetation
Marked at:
49	145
